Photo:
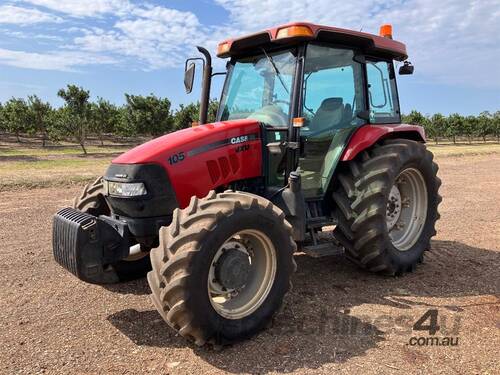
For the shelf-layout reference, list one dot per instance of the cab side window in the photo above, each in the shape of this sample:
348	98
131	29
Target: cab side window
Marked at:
382	92
333	90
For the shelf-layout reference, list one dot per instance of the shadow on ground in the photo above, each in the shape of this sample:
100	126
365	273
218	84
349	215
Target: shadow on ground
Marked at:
137	287
315	327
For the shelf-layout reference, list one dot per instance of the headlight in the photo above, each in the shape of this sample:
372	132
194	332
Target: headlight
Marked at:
125	189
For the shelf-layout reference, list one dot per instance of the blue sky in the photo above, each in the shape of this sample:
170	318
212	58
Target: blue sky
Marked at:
114	46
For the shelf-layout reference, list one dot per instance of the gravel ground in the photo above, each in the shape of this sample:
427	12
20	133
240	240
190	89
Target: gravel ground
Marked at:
336	319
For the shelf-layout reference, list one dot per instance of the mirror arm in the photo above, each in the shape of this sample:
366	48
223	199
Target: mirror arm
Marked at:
205	89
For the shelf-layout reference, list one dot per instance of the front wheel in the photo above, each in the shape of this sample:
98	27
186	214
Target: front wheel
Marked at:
387	206
223	267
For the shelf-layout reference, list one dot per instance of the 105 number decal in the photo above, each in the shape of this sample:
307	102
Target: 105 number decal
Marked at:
175	158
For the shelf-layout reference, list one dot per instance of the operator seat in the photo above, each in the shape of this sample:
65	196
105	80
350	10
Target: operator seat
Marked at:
329	115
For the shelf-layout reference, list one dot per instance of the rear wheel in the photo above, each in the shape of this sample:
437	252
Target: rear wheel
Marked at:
223	267
386	204
92	201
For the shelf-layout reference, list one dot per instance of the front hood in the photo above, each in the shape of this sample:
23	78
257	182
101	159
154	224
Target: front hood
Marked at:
203	158
160	149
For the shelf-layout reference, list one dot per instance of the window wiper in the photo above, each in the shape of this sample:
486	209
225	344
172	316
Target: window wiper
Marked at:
278	74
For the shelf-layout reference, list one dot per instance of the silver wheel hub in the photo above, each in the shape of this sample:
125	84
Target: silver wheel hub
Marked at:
406	209
393	210
232	268
241	274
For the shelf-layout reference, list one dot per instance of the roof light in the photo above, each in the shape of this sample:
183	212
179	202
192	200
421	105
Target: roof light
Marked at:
294	32
223	48
386	31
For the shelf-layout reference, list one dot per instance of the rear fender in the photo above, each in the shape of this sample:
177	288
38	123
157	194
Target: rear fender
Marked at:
367	135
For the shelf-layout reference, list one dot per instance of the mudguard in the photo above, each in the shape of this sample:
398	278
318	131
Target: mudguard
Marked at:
367	135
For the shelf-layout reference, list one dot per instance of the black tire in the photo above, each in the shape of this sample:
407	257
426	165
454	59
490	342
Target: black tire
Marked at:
361	199
93	202
179	279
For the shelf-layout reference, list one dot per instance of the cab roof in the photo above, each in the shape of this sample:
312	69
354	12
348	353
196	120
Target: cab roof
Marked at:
369	43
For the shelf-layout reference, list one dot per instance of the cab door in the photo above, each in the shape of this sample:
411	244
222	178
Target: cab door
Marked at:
333	96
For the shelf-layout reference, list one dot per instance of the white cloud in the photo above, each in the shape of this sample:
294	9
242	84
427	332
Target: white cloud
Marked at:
157	36
56	60
87	8
10	14
449	41
31	35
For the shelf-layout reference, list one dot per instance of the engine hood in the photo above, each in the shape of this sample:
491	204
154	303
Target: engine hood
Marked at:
160	149
203	158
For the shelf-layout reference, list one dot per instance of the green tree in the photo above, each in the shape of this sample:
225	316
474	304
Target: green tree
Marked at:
148	115
470	127
213	108
16	117
123	126
455	125
484	125
75	118
415	118
105	118
3	126
496	125
186	115
438	126
40	116
190	113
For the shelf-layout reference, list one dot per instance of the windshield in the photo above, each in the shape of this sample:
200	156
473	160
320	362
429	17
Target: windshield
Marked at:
259	87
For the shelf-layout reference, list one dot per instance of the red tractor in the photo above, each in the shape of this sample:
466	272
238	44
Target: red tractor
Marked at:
308	138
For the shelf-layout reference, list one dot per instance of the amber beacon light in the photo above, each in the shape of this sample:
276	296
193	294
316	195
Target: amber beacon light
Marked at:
294	31
386	31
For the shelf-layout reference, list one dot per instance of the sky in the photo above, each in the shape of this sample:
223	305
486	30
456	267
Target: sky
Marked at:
115	46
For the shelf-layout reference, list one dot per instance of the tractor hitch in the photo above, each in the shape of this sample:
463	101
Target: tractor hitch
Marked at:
86	245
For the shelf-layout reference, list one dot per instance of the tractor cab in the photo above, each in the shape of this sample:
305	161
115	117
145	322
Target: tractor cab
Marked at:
311	87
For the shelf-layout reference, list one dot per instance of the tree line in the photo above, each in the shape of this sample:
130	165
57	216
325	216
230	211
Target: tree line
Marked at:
149	115
456	127
80	118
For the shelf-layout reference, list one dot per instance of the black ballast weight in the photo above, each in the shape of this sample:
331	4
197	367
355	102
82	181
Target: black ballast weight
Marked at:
87	246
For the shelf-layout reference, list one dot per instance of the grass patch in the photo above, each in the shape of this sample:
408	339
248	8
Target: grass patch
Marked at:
57	172
56	151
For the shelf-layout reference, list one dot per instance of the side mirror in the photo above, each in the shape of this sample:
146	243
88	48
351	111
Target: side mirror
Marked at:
189	78
406	69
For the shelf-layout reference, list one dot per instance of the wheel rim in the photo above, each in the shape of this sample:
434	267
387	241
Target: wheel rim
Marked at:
233	295
406	210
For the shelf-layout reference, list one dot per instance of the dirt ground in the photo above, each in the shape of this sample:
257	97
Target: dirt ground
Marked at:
337	318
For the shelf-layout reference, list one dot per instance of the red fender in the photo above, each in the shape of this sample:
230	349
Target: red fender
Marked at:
368	135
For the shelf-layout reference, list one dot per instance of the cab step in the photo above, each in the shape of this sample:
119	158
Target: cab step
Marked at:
323	250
